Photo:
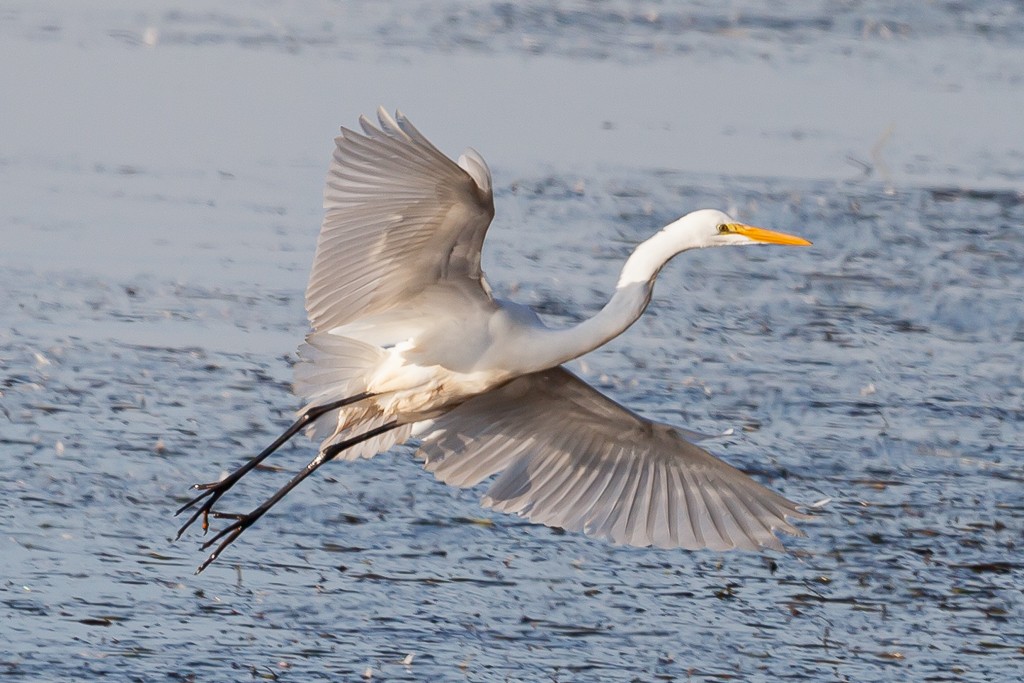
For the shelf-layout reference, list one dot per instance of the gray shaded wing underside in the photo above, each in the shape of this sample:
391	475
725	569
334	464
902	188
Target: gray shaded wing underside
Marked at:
572	458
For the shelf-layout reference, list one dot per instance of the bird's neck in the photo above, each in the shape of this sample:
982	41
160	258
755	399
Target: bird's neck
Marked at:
647	259
632	294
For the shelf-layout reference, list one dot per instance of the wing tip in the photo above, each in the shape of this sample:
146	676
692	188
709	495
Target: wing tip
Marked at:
768	540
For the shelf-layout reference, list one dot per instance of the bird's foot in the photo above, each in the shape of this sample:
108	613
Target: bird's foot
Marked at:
226	536
211	492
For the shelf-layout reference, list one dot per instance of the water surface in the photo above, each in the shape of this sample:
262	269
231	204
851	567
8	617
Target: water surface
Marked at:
160	173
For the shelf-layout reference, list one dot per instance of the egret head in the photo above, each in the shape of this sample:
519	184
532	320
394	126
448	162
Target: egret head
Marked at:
713	228
703	228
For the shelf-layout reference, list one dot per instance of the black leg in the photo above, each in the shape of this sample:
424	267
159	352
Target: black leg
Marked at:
243	522
214	490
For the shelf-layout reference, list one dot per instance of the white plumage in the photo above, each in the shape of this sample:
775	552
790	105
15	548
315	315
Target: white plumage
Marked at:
408	339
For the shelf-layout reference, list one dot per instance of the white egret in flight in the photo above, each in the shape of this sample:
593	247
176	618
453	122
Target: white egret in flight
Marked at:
408	341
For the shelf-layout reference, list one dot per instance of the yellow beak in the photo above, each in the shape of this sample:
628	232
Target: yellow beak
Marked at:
768	236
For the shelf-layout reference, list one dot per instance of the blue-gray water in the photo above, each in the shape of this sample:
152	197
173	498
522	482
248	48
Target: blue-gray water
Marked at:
160	173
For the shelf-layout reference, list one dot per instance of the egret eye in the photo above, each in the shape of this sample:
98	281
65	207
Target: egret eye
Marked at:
723	228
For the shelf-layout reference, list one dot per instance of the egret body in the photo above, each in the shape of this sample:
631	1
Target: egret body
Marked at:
408	340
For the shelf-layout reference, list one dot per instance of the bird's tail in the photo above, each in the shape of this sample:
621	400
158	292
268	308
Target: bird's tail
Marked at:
332	367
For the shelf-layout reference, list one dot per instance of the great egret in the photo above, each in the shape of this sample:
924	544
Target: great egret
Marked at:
408	341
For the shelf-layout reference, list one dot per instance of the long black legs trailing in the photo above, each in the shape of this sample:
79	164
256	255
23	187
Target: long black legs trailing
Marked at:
214	490
228	535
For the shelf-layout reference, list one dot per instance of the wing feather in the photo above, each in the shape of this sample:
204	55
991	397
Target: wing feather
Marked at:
567	456
663	533
693	507
399	217
717	516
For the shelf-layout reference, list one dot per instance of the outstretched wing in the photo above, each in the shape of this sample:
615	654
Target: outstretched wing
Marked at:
572	458
399	216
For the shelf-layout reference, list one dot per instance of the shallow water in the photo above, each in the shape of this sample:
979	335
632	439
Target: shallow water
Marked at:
160	181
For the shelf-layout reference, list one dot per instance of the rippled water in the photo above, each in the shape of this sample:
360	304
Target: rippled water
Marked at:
154	258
